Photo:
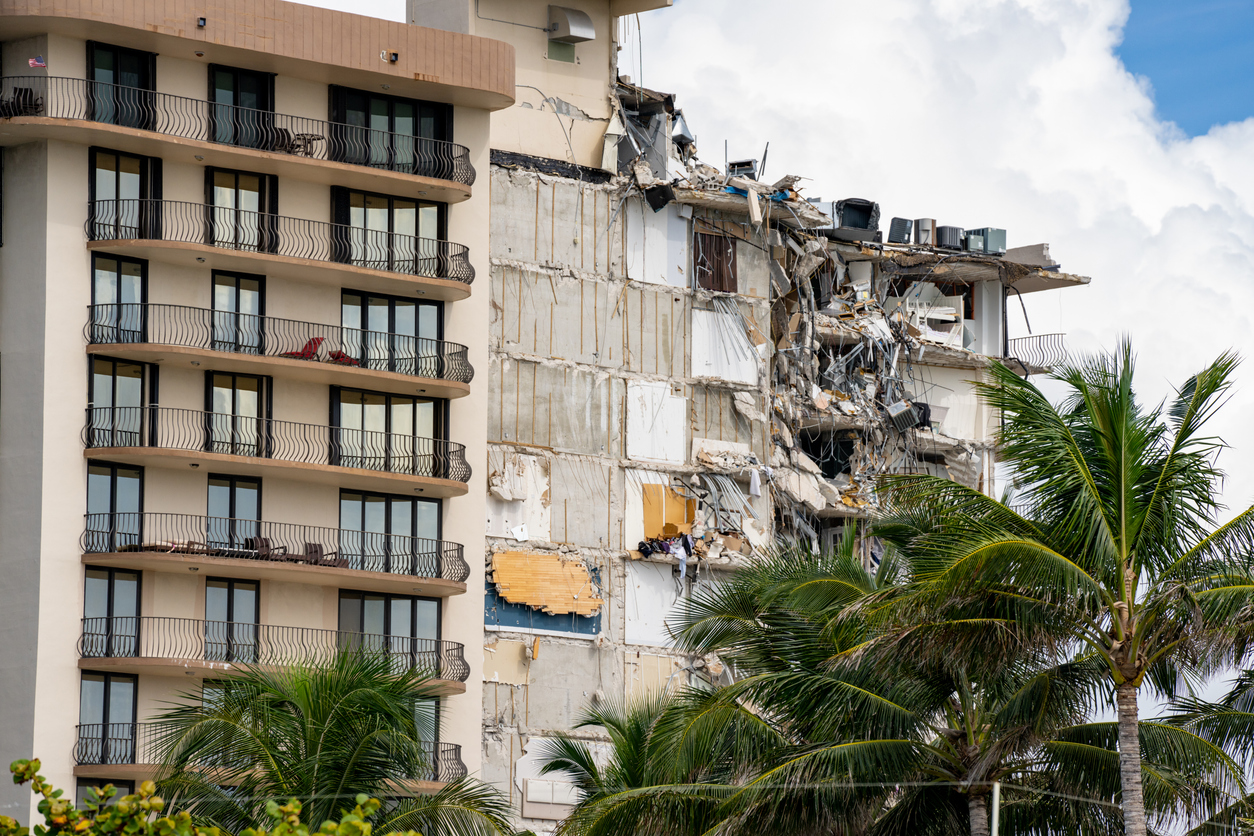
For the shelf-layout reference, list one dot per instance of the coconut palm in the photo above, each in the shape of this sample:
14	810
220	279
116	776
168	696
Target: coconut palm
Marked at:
1119	542
321	734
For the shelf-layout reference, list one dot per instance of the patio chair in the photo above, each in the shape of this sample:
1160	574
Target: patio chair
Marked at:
265	551
315	555
343	359
309	352
283	141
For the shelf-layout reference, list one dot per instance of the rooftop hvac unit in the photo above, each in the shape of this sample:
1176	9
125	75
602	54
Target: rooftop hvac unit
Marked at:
899	231
856	213
903	416
743	168
975	243
994	239
949	237
925	232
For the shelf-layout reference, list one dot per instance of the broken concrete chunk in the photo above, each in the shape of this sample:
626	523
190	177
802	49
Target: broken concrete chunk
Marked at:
747	405
803	462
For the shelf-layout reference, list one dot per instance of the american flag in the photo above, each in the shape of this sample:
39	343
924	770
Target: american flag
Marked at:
38	61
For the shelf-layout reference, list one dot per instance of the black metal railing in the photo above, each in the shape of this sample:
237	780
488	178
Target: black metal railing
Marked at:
245	643
236	539
107	744
241	127
260	232
267	336
256	437
1042	351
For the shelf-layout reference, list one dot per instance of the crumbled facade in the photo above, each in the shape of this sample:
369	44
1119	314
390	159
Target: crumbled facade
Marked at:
686	365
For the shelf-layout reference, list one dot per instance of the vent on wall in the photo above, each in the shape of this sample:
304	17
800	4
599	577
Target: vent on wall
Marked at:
570	26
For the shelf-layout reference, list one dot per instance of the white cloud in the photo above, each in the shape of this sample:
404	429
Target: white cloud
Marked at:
1011	113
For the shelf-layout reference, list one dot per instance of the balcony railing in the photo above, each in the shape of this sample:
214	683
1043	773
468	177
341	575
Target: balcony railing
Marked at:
267	336
260	232
242	643
241	127
243	435
236	539
1043	351
108	744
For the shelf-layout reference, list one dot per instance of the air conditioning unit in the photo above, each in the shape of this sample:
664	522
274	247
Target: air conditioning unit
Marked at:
903	416
856	213
743	168
994	239
925	232
949	237
975	243
899	231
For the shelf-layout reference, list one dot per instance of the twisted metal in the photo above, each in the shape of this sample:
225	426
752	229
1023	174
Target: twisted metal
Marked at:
267	336
244	643
1043	351
237	539
255	437
106	744
242	230
241	127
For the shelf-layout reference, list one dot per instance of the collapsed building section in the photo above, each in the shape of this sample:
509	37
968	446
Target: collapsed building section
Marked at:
687	365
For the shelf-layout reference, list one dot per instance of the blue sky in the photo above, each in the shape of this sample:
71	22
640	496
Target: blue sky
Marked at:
1199	57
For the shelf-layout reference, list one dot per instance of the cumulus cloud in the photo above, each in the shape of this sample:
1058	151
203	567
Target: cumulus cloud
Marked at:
1010	113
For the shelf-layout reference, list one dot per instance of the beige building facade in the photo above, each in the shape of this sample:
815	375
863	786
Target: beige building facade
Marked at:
243	362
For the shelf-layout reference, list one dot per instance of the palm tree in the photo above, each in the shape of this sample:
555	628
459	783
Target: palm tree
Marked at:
1119	543
1229	724
322	734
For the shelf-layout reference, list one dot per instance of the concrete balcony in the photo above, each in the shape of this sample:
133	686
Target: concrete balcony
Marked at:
264	550
162	125
217	237
189	646
155	436
251	344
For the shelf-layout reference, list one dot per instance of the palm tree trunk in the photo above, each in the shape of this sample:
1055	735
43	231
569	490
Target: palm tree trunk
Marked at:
978	805
1130	761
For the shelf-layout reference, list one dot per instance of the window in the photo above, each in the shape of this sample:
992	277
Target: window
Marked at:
85	785
379	431
115	504
388	233
110	612
243	209
122	84
392	334
234	511
386	131
383	533
120	190
243	106
119	289
831	451
402	626
106	718
117	394
239	303
232	610
714	260
238	404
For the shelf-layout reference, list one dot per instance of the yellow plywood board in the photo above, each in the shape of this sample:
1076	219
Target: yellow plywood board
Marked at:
545	581
666	513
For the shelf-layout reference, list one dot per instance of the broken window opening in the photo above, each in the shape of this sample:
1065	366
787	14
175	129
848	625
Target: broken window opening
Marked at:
714	261
833	452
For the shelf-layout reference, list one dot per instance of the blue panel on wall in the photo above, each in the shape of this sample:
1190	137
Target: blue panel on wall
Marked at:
501	614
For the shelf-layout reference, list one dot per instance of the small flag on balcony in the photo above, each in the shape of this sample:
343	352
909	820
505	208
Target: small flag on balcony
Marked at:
38	61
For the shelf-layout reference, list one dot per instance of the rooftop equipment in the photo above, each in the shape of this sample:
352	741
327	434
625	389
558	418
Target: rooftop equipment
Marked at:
570	26
975	242
856	213
949	237
899	231
994	239
743	168
925	232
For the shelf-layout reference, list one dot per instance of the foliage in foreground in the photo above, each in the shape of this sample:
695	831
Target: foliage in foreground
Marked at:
139	814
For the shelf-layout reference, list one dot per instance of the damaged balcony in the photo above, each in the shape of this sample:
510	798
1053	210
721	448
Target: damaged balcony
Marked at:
264	550
237	342
1036	353
255	446
128	751
202	235
195	647
229	136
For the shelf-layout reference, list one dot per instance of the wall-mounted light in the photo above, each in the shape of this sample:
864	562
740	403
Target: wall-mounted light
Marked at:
199	158
200	54
386	86
389	56
193	465
200	23
201	259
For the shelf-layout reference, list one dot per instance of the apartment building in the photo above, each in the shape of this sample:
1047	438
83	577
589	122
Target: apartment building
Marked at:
684	364
244	403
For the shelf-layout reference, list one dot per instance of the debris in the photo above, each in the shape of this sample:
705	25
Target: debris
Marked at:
545	581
